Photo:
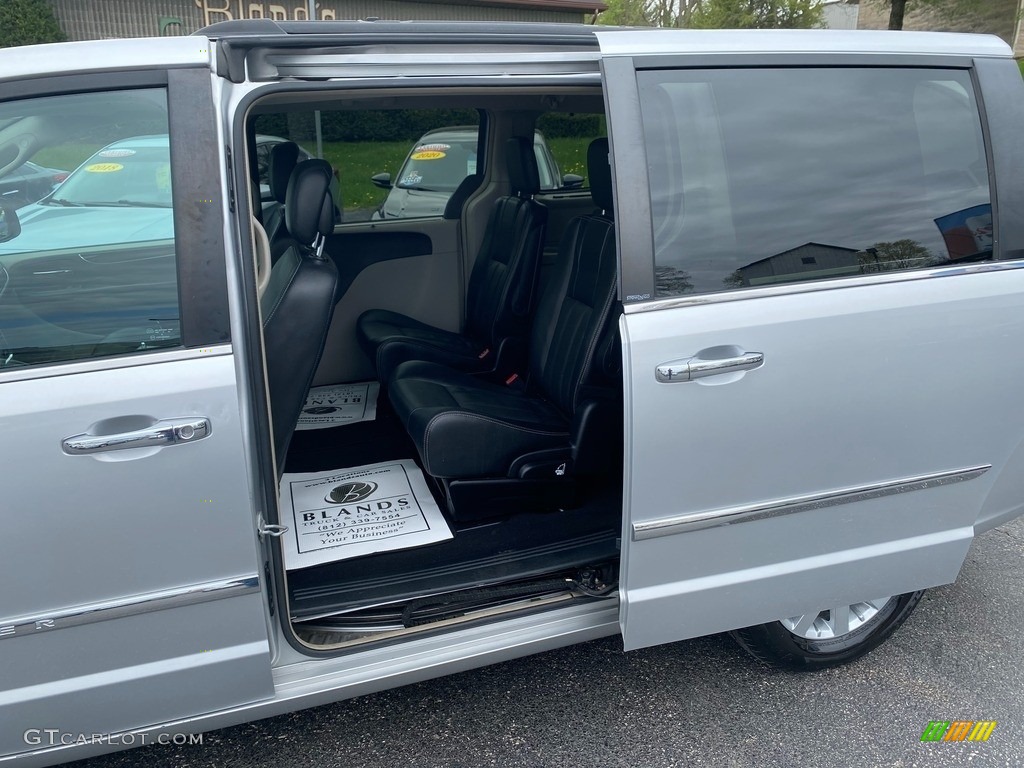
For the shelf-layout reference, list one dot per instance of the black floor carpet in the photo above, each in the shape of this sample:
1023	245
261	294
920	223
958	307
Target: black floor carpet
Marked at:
517	547
351	445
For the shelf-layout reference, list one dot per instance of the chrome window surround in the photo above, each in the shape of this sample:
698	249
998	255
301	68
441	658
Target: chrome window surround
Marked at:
29	372
694	521
676	302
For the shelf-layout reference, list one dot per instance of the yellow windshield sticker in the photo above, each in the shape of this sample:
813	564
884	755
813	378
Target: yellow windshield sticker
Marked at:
431	154
104	167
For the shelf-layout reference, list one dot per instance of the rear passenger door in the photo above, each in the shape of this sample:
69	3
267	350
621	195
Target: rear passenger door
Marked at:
131	583
822	312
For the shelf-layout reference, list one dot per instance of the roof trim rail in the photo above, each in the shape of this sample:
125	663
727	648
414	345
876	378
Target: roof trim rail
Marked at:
234	39
362	32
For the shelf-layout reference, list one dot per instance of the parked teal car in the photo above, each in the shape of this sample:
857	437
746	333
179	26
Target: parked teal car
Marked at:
121	193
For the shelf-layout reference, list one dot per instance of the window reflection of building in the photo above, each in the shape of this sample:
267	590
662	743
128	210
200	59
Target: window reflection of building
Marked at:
810	260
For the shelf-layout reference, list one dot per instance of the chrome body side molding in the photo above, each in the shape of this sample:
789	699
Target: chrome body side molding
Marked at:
667	526
130	606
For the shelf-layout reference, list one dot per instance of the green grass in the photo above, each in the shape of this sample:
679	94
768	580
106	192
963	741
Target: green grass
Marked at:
65	156
356	162
571	155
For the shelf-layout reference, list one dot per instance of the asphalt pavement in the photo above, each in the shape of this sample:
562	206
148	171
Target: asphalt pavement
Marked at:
697	703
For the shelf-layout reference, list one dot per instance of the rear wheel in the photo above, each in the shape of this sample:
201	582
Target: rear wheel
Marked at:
827	638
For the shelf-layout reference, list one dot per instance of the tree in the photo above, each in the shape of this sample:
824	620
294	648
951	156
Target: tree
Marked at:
758	14
671	281
27	22
650	13
949	8
734	279
714	14
896	13
899	254
1017	41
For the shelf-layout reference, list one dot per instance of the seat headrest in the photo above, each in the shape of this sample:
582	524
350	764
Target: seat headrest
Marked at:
326	223
522	166
469	185
306	200
283	158
599	170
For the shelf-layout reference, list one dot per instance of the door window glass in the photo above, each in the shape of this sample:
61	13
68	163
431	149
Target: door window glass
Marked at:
87	256
768	176
389	164
561	143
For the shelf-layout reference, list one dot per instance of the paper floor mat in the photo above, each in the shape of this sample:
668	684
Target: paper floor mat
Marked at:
337	404
336	515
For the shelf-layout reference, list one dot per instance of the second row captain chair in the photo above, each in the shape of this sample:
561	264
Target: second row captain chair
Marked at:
500	293
298	301
498	449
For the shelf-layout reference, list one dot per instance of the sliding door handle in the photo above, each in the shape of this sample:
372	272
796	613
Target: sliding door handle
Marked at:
693	368
160	435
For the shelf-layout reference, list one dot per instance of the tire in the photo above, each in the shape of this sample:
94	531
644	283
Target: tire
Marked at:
809	642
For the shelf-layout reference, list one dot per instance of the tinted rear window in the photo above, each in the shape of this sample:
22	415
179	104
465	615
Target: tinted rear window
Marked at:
768	176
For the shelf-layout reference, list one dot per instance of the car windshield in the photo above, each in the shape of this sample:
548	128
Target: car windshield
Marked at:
438	165
119	176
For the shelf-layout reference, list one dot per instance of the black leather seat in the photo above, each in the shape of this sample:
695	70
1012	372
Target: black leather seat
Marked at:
283	159
500	292
466	428
299	300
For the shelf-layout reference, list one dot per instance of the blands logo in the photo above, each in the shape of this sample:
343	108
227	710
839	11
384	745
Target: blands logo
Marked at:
350	493
958	730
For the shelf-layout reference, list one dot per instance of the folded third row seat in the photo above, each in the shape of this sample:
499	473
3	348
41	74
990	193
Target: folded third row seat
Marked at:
500	292
490	443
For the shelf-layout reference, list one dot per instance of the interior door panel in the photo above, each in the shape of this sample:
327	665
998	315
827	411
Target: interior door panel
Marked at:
413	267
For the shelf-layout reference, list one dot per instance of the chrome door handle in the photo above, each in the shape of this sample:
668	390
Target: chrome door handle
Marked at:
692	368
162	434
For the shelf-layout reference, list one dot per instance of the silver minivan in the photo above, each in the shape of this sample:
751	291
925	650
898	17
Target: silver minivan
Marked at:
756	375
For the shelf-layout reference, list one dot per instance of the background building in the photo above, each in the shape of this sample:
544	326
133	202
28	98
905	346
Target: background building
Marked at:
841	14
99	19
813	259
